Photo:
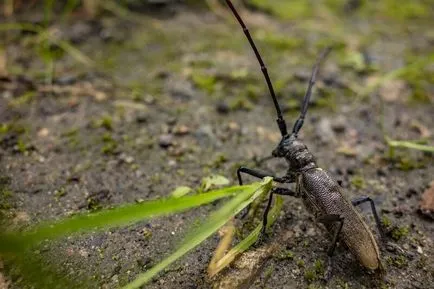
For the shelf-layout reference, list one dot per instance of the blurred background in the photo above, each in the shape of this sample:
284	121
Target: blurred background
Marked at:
111	102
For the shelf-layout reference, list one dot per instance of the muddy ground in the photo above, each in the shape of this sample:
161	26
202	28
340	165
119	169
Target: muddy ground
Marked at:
172	95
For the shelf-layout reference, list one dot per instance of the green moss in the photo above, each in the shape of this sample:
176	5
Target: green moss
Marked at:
204	82
285	255
279	42
146	233
109	149
314	272
59	193
4	128
319	267
21	146
93	204
110	145
310	275
300	263
387	223
398	261
218	160
12	128
268	272
71	132
399	232
405	163
241	103
252	91
24	99
342	284
358	182
5	195
284	9
402	10
422	262
106	122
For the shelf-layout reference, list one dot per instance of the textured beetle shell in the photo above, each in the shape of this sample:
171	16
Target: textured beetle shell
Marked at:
321	195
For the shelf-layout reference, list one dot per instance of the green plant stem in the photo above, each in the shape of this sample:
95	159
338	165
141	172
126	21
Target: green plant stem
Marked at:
409	145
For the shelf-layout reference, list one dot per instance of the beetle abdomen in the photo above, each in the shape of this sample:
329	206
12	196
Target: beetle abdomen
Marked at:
322	196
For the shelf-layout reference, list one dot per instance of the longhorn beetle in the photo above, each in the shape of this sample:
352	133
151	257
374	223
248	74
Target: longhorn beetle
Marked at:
320	193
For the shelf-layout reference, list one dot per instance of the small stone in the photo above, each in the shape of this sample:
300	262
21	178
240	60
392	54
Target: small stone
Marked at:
172	120
339	125
144	262
83	253
165	140
126	158
222	107
234	126
181	130
43	132
426	206
419	250
142	118
324	131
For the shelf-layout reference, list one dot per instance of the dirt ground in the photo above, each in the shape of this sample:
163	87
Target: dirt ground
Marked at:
172	95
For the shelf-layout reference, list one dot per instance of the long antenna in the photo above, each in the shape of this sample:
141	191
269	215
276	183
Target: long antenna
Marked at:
299	122
280	122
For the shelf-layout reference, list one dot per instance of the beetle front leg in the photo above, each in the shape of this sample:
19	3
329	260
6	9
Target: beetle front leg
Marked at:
256	173
329	220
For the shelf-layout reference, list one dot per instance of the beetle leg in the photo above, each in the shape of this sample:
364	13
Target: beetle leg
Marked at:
277	191
257	174
364	199
260	175
330	219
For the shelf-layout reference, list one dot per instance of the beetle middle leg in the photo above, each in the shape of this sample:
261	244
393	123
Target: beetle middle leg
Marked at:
364	199
277	191
328	220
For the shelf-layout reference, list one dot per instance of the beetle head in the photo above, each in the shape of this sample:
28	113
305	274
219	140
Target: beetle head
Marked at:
284	146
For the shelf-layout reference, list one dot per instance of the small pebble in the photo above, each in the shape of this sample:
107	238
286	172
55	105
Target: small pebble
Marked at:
165	140
142	118
181	130
222	107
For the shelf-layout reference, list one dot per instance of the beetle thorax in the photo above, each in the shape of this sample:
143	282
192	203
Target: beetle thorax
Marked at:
295	153
299	157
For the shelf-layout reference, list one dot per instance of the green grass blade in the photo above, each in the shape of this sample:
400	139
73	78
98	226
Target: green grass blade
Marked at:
410	145
209	227
108	218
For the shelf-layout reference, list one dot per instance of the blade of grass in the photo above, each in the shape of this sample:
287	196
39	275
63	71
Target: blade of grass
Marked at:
247	242
209	227
119	216
409	145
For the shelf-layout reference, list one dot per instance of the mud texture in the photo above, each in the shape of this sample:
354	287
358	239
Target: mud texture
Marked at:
175	94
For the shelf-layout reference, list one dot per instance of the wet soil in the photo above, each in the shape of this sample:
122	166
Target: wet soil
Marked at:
176	97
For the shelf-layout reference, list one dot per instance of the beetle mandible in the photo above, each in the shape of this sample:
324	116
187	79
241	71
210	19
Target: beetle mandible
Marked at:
320	193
